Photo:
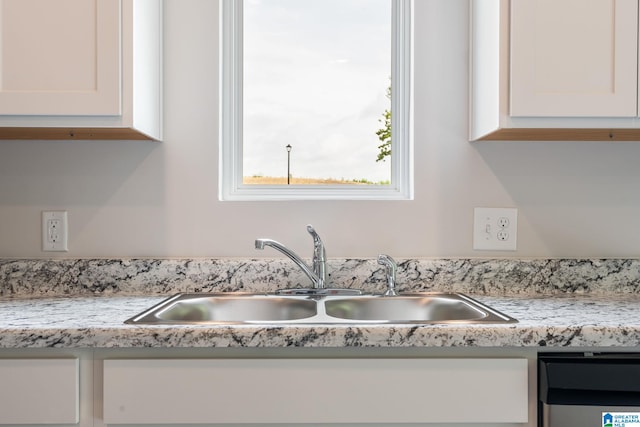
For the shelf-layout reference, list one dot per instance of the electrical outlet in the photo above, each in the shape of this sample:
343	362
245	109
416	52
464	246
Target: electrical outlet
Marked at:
495	229
54	231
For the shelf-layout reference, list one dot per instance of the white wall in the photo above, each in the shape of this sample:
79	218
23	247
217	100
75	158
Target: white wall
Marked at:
134	199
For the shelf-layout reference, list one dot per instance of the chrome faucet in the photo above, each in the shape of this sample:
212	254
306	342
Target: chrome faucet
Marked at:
392	268
318	272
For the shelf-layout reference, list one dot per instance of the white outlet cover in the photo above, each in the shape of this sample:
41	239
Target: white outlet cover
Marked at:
54	240
490	223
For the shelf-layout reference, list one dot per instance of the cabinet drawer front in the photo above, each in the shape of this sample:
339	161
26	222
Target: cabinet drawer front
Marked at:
39	391
315	391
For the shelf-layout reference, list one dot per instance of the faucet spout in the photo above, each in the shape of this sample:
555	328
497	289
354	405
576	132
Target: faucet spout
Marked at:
317	281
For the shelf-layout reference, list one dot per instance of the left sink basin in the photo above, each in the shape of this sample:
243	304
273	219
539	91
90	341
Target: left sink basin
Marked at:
212	308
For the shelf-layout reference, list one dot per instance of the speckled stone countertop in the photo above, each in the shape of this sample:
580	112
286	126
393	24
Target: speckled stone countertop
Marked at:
83	303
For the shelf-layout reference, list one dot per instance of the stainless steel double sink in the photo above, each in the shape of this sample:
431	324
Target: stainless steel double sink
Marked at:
248	308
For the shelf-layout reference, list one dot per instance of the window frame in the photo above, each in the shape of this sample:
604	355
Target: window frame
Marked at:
231	95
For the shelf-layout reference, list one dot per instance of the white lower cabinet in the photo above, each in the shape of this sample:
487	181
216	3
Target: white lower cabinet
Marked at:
118	387
324	391
39	391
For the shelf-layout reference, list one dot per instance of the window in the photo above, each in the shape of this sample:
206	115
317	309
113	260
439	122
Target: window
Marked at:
308	91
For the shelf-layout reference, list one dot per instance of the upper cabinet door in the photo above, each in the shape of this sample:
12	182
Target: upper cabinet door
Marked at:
60	57
574	58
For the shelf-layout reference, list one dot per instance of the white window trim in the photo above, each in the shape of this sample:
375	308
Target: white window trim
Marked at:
230	159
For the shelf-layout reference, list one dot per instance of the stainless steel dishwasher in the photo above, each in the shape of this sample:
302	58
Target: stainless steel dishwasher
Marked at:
589	389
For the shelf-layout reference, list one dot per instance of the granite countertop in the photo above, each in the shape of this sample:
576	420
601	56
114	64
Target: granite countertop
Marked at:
97	322
83	303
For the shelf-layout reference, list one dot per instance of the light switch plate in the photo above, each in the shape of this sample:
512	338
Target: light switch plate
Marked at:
495	229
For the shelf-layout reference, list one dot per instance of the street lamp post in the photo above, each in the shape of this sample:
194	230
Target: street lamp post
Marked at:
288	147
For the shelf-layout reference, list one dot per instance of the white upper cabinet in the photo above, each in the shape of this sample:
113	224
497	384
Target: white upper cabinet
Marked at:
554	70
65	65
574	58
80	69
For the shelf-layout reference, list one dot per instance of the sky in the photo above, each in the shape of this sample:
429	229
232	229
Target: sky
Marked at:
316	74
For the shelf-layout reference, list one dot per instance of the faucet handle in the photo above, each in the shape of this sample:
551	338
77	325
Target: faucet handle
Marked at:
392	268
314	234
319	256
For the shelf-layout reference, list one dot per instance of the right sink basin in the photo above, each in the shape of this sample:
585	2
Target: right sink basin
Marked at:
414	308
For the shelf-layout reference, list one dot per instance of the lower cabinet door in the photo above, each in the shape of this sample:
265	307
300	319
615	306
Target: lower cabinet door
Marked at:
39	391
188	391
